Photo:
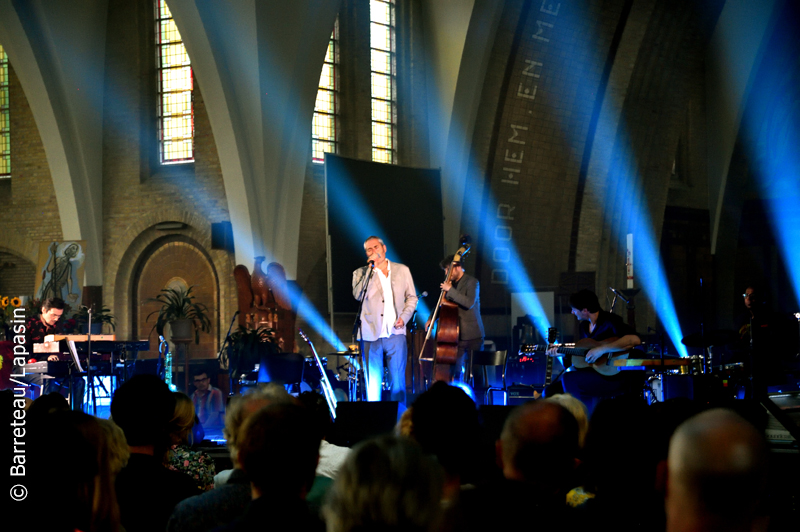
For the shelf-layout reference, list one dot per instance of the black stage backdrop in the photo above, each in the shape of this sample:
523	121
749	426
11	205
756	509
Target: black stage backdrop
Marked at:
403	206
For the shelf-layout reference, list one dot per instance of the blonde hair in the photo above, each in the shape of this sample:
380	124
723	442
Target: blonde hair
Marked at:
118	450
182	420
405	426
387	483
242	407
578	410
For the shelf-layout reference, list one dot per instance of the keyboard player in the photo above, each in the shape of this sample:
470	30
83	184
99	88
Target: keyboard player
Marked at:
36	328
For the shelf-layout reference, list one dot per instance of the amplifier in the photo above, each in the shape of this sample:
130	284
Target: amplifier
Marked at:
518	395
530	369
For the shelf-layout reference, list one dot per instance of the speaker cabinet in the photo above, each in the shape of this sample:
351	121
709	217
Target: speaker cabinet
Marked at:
222	236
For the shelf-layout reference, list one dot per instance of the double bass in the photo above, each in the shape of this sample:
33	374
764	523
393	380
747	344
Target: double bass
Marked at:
446	313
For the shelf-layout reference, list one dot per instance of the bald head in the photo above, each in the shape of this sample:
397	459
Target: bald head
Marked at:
717	473
534	430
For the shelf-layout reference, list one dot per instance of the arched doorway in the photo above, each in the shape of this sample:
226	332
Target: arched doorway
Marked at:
169	262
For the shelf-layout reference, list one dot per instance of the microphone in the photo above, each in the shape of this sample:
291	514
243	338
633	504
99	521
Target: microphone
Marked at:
371	263
618	293
423	294
236	313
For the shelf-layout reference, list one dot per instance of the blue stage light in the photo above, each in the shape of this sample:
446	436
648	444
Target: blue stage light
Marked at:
360	217
467	390
625	195
770	127
656	289
783	217
307	311
517	280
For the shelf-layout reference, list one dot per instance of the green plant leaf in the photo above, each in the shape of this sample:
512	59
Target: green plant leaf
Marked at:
177	304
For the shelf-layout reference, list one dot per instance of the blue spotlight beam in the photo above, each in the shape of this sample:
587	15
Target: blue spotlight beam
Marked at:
518	279
349	199
503	246
771	128
307	311
786	230
625	194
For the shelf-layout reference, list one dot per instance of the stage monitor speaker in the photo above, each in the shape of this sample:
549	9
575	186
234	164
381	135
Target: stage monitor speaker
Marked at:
360	420
519	395
222	236
528	369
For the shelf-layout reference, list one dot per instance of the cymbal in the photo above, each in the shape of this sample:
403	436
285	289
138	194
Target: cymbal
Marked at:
711	338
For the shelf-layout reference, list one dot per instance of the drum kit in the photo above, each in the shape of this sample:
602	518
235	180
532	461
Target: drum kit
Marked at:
731	378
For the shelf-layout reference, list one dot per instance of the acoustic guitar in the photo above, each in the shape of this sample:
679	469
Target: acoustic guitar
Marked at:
603	365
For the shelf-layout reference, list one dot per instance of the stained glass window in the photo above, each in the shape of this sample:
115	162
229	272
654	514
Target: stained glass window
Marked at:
5	123
323	132
175	84
384	107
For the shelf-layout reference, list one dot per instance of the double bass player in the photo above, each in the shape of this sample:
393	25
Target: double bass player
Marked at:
463	290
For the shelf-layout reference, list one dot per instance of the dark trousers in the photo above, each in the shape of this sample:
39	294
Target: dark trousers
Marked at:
461	367
61	386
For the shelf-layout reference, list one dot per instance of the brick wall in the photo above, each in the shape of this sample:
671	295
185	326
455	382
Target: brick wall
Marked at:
29	207
139	193
560	55
170	260
531	133
666	83
16	275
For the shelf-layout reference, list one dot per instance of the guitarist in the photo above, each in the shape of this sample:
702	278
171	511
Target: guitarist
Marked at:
585	383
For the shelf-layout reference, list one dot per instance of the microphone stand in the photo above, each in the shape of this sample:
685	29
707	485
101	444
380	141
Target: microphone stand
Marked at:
89	378
357	336
162	344
412	328
225	342
613	301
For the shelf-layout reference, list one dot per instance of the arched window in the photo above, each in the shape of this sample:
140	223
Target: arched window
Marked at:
326	112
383	70
5	122
175	84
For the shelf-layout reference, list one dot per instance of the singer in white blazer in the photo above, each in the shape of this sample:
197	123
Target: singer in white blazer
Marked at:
388	306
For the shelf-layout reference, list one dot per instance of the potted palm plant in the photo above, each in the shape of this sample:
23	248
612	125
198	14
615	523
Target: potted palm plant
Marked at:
179	309
99	318
247	346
